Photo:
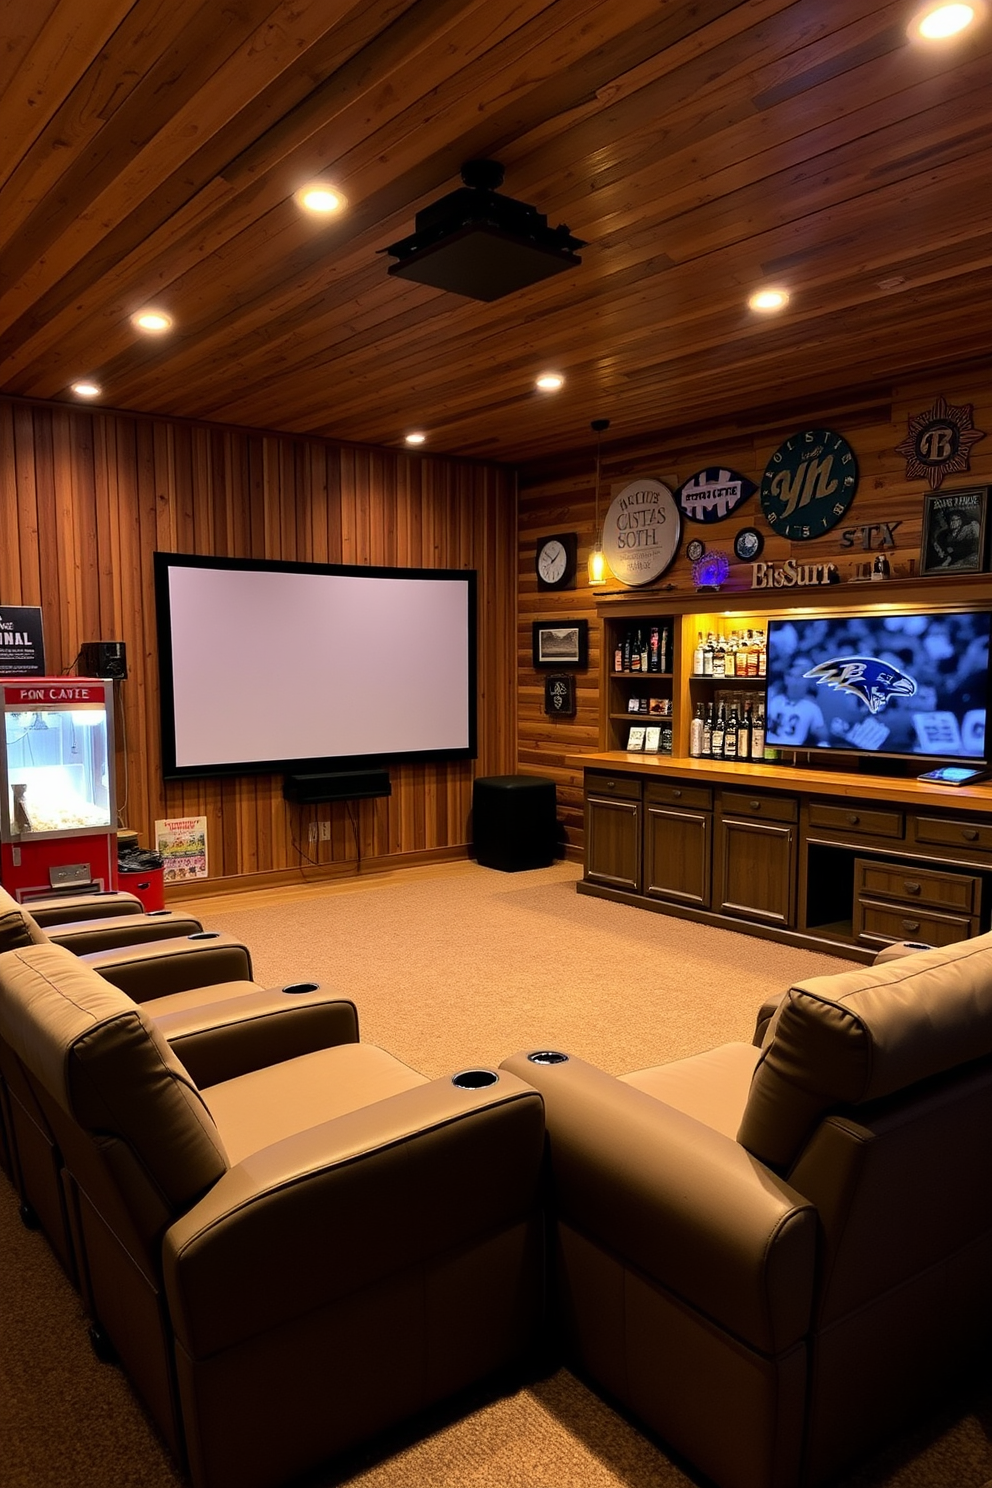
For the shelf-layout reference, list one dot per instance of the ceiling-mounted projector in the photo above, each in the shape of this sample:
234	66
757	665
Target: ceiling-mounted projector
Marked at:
477	243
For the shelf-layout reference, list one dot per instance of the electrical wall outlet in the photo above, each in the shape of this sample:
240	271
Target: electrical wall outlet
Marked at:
312	832
325	831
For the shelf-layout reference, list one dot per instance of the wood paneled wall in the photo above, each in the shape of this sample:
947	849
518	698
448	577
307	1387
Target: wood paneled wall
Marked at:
87	497
558	496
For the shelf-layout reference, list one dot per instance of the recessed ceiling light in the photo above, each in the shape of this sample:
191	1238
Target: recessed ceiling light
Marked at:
550	382
769	299
939	22
320	198
416	437
87	389
152	322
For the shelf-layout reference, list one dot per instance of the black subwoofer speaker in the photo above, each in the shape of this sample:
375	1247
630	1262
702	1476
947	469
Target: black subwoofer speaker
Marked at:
103	659
514	822
337	785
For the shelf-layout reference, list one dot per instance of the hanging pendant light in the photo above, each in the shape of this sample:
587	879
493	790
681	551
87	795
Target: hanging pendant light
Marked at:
597	558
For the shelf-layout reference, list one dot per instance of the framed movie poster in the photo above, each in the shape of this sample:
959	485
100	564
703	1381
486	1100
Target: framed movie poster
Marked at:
561	643
954	531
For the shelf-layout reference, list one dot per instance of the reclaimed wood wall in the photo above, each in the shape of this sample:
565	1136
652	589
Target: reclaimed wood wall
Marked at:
558	496
86	498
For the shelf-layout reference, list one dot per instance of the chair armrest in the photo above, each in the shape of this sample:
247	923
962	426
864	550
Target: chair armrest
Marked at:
683	1203
83	936
766	1015
335	1208
56	909
220	1039
164	966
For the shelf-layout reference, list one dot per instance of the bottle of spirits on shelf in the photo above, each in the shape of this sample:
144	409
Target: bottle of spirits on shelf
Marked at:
628	645
697	657
708	733
744	734
654	650
719	733
664	663
762	655
644	651
730	736
618	655
635	653
719	658
708	656
730	656
696	732
758	736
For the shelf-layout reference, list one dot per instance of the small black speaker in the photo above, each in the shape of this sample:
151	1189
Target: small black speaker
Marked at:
340	785
103	659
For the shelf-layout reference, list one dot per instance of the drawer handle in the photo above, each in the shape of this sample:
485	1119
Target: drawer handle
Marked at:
970	834
755	805
611	785
853	818
911	888
676	792
912	925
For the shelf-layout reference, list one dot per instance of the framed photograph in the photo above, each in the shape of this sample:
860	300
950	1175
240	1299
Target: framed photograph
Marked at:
560	643
954	531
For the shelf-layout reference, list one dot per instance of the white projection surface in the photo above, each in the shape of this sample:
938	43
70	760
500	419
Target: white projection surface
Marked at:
274	666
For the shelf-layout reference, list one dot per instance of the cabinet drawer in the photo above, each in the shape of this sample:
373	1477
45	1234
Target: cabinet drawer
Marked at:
950	831
626	787
880	924
774	808
671	793
855	820
960	892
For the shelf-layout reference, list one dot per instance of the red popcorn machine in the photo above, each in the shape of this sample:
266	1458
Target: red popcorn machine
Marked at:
58	811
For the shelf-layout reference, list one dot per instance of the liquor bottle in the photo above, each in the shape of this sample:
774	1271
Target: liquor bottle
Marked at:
730	737
696	733
719	734
635	653
628	643
708	733
762	655
663	663
758	736
719	658
752	654
730	656
644	652
744	734
654	650
708	650
618	655
697	657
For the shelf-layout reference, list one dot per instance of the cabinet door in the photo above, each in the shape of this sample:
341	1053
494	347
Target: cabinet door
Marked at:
756	870
613	843
677	855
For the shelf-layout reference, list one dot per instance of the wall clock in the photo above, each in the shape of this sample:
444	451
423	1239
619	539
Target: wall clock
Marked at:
554	561
809	484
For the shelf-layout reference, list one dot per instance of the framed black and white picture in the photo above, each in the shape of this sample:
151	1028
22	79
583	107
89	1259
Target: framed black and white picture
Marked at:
954	531
561	643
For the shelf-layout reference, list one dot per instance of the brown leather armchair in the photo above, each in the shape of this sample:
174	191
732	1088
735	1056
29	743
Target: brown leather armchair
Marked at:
771	1255
291	1260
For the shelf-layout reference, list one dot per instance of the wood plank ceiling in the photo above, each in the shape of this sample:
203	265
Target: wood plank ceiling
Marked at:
151	149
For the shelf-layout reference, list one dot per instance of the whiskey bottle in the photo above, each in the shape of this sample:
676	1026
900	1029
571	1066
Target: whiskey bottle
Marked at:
730	737
644	652
628	644
758	736
697	657
696	733
719	658
635	653
654	651
663	659
708	656
618	655
762	655
744	735
719	734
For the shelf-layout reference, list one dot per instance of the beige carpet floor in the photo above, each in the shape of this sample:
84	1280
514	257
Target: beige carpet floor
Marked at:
451	966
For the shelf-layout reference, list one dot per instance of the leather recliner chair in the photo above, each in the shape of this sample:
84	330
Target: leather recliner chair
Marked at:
772	1255
291	1260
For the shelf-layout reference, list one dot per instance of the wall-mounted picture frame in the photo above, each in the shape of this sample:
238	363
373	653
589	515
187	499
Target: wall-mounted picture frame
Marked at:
953	539
559	695
561	643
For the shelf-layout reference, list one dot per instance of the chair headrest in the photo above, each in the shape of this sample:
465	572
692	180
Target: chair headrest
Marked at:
843	1040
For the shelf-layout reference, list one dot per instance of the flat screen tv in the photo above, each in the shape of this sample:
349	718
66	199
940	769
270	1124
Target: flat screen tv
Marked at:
296	666
902	686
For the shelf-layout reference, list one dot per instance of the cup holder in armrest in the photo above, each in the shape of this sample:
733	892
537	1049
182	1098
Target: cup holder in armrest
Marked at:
547	1056
298	987
204	935
474	1079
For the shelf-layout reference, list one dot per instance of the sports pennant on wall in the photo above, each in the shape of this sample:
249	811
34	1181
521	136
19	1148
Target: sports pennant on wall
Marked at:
939	442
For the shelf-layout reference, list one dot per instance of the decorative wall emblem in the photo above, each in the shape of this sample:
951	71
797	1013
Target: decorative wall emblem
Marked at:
710	571
748	544
939	442
641	532
712	494
809	484
695	549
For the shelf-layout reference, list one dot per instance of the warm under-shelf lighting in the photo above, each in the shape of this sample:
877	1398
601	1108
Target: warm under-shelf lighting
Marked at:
597	558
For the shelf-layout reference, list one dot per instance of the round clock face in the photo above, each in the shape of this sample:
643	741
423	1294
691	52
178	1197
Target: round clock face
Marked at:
553	561
748	544
809	484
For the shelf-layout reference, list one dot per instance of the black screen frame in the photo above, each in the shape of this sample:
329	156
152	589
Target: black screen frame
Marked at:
164	562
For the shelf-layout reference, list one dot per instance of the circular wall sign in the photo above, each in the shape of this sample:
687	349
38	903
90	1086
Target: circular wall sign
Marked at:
641	532
809	484
748	544
695	549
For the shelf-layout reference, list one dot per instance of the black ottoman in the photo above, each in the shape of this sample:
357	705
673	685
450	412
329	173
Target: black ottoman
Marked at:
514	824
